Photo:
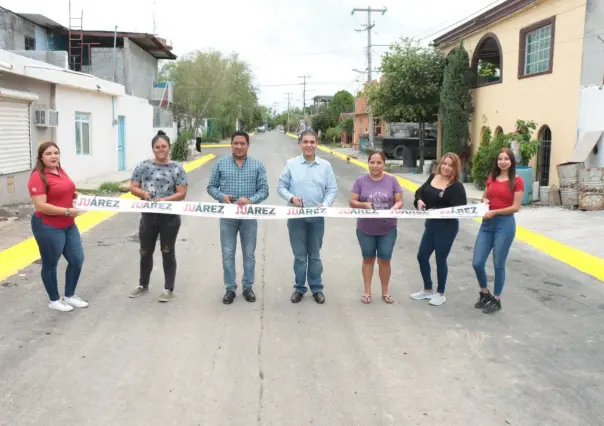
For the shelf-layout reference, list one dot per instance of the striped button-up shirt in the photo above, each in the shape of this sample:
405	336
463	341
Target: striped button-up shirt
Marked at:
314	182
248	181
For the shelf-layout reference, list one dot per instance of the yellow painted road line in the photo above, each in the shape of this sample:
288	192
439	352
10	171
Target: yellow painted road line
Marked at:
22	254
580	260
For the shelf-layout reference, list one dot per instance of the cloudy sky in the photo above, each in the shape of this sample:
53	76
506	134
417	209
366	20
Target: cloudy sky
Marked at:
280	39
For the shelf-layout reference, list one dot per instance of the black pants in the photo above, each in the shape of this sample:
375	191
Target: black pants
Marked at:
166	227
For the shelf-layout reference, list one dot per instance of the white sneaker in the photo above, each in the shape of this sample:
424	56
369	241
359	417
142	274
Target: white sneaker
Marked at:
76	302
421	295
437	299
59	305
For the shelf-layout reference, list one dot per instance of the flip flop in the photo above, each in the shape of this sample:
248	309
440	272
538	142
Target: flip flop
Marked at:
388	299
366	299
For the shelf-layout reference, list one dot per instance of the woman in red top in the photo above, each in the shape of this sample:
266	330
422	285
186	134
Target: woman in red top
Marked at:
54	228
503	195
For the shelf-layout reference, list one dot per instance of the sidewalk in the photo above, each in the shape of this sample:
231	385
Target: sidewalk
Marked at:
570	230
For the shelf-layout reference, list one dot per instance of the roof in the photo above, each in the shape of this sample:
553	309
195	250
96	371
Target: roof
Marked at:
41	20
155	46
322	98
489	17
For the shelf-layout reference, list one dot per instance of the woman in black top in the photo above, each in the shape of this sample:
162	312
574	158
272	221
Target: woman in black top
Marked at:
442	189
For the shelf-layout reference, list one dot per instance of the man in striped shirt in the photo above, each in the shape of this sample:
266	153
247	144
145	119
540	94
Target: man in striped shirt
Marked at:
238	179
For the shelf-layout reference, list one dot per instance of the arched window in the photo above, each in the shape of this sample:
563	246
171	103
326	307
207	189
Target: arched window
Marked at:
498	131
487	61
544	156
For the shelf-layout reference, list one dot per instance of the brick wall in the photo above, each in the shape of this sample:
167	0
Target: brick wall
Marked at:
141	70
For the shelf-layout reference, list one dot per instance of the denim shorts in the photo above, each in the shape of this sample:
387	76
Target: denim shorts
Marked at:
380	246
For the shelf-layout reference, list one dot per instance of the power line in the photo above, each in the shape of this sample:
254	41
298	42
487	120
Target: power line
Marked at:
322	83
461	20
368	28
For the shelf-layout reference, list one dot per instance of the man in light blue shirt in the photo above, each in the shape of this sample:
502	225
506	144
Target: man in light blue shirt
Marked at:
307	181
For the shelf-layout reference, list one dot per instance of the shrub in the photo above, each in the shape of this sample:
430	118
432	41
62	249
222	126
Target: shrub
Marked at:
484	160
333	134
527	146
180	148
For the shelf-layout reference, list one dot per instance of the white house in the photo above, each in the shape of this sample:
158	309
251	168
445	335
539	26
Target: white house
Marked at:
98	128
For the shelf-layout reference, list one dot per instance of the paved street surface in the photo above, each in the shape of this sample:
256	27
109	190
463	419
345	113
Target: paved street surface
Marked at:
195	361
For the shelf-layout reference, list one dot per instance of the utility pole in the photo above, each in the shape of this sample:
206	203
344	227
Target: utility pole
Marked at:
368	28
289	95
274	110
304	98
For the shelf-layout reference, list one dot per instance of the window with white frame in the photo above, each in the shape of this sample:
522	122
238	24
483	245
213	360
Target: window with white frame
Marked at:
82	130
537	50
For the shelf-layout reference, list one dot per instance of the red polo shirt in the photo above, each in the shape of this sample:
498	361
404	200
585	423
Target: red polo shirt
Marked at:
59	193
499	193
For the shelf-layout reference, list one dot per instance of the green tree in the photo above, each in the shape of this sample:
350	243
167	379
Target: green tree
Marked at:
342	101
211	85
456	101
410	89
322	121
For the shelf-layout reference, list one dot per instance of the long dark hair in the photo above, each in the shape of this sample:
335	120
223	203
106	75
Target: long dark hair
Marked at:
40	164
160	135
511	171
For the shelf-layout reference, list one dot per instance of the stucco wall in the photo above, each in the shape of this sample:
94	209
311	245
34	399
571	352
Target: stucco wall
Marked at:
58	59
103	135
550	99
593	47
591	118
38	135
138	114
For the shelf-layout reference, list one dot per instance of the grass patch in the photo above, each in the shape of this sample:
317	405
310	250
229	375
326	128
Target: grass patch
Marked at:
106	188
109	187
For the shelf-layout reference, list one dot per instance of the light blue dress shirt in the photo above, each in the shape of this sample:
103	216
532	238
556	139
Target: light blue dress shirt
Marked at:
314	182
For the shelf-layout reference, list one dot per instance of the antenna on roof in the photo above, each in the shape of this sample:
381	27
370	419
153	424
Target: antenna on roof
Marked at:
154	17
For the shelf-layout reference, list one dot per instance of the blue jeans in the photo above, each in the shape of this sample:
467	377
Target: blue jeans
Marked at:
495	234
438	238
380	246
52	243
306	239
248	231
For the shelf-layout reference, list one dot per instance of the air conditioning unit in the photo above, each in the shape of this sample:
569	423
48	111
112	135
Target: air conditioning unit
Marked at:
47	118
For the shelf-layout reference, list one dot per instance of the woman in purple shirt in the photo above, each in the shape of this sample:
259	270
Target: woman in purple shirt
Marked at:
378	191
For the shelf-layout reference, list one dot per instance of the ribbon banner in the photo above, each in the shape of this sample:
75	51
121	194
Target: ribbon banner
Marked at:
261	211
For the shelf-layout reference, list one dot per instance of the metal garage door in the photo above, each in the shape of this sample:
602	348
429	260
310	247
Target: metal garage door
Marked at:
15	141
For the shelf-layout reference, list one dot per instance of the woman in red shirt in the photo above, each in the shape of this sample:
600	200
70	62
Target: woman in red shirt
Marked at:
503	194
54	228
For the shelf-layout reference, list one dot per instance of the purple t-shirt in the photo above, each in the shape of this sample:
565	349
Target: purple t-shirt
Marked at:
381	194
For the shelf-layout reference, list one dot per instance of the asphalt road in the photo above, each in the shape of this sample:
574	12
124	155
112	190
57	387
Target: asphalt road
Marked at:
195	361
